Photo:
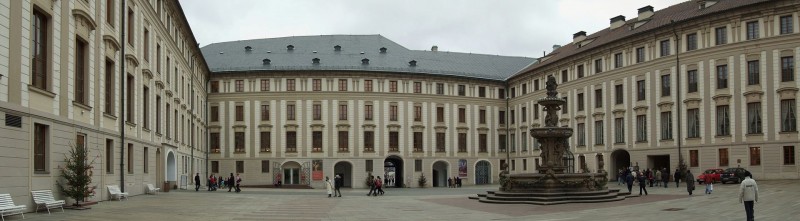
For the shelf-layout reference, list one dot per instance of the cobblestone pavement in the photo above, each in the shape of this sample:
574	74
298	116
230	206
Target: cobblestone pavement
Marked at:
779	200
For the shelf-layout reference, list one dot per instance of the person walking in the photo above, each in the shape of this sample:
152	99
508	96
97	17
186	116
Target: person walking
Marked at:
458	182
230	182
378	186
689	181
642	184
629	181
371	184
197	182
748	194
677	178
449	182
338	182
650	178
620	177
665	177
658	178
328	186
709	181
238	181
211	182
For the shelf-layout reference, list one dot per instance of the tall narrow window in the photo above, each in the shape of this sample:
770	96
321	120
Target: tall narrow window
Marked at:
290	112
291	141
462	142
723	157
81	83
482	143
786	24
641	128
368	112
393	112
289	84
692	81
146	44
40	50
640	55
342	84
344	141
524	114
110	85
598	132
369	141
239	113
598	66
788	155
214	166
693	123
418	142
213	142
721	36
265	166
214	86
788	115
462	115
618	60
640	90
439	88
239	85
316	141
393	86
264	84
694	158
723	120
535	111
146	107
316	84
440	142
167	120
343	112
580	71
787	68
501	117
580	103
131	27
394	141
158	115
158	58
316	111
581	135
264	112
691	42
753	75
754	118
417	113
755	156
238	142
368	85
752	30
214	113
598	98
564	108
462	90
564	79
665	48
239	166
666	125
619	94
722	76
109	156
110	12
145	160
501	142
417	87
40	147
619	130
665	85
481	91
482	116
130	100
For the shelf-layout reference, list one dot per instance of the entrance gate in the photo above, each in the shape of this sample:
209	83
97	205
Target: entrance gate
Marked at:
483	172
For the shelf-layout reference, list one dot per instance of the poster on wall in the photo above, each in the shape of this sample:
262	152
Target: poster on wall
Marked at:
462	167
316	169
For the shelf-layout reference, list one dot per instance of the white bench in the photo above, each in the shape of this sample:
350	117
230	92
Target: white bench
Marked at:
7	207
116	193
44	198
151	189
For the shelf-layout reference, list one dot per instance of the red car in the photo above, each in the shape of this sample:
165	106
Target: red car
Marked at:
714	173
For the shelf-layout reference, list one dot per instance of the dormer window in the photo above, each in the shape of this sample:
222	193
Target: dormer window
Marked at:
248	48
364	61
315	61
290	47
412	63
383	50
266	61
337	48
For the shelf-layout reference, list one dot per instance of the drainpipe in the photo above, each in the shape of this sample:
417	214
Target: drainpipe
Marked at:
191	115
122	99
681	164
508	115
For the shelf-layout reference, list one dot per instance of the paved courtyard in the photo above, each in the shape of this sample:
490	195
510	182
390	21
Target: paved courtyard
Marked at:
779	200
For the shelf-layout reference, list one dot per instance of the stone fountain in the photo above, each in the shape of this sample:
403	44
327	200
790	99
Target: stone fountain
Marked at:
551	185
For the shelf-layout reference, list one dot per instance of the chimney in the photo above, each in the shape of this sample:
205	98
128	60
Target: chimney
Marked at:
645	13
617	22
556	47
435	48
578	37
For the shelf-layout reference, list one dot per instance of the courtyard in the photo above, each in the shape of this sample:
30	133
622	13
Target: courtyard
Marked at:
778	201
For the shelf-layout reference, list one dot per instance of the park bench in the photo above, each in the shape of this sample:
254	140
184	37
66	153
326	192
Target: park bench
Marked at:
44	198
116	193
7	207
152	189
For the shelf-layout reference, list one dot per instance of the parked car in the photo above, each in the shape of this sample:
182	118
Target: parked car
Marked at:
734	175
714	173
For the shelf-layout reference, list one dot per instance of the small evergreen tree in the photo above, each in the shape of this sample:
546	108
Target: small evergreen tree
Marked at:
76	175
422	180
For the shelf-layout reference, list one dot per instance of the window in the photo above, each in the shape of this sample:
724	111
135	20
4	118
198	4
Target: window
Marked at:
417	165
110	12
564	108
168	76
753	76
641	128
110	87
368	85
513	165
130	158
787	68
238	142
524	89
788	155
755	156
723	157
580	102
264	112
417	87
640	90
462	91
691	42
393	112
343	112
146	46
239	113
168	121
109	156
214	114
598	132
439	88
146	107
665	85
316	84
214	166
394	141
342	84
131	27
158	59
723	120
524	164
439	114
666	125
752	30
501	93
239	85
316	141
524	141
291	141
481	91
40	143
440	142
369	141
418	113
640	55
344	141
524	114
598	98
289	84
239	166
266	141
290	112
693	158
693	123
754	118
462	142
130	100
513	92
418	142
788	115
368	112
158	115
665	48
369	165
462	115
512	117
618	60
619	130
214	86
580	71
501	139
264	84
535	111
721	36
214	142
482	116
392	86
786	25
722	76
692	80
598	66
145	155
502	117
265	166
81	72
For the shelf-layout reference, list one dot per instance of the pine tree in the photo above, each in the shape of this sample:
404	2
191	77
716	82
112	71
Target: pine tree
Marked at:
76	175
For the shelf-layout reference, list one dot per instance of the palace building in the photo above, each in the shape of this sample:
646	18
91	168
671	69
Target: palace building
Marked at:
713	83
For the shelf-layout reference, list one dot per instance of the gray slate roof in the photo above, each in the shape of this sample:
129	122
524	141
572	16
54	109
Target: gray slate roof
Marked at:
232	57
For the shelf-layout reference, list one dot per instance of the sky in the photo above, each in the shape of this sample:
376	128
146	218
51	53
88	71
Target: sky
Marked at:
525	28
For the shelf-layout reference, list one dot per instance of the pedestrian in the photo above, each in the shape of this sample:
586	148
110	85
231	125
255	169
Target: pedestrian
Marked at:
378	186
328	186
230	182
458	182
197	182
677	178
385	180
449	182
665	177
620	177
371	184
689	181
650	177
748	194
709	181
658	178
642	184
338	182
629	181
238	181
211	182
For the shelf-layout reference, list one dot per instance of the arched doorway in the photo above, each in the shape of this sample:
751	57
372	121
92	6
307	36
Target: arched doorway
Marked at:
172	169
483	172
393	171
440	174
291	173
620	159
345	170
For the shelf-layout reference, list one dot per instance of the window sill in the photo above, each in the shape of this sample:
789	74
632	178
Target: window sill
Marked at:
664	140
344	151
130	123
440	151
82	106
418	151
239	152
754	135
788	132
369	151
214	151
722	136
41	91
693	138
158	134
41	172
641	141
110	116
146	129
316	151
266	151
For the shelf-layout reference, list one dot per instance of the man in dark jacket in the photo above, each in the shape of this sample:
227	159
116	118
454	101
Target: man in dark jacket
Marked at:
629	182
371	184
642	184
665	177
197	182
337	183
677	178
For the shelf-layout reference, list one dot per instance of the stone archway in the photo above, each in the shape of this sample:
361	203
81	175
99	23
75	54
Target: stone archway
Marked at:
483	172
393	171
620	159
172	169
291	173
440	174
345	170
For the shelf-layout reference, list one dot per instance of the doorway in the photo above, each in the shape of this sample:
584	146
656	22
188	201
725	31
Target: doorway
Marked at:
345	170
483	172
658	162
172	169
440	174
291	173
393	171
620	159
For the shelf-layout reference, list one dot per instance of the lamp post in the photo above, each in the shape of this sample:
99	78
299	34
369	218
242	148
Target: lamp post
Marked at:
681	163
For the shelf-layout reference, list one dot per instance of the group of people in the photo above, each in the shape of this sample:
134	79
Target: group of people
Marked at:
333	188
214	183
454	182
375	186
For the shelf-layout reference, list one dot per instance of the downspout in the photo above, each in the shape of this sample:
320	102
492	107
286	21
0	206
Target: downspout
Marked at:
508	142
122	99
681	163
191	107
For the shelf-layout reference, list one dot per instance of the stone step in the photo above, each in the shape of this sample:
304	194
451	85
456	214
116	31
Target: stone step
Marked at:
552	198
554	194
617	198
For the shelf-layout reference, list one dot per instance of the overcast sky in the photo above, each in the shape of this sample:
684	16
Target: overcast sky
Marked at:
502	27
